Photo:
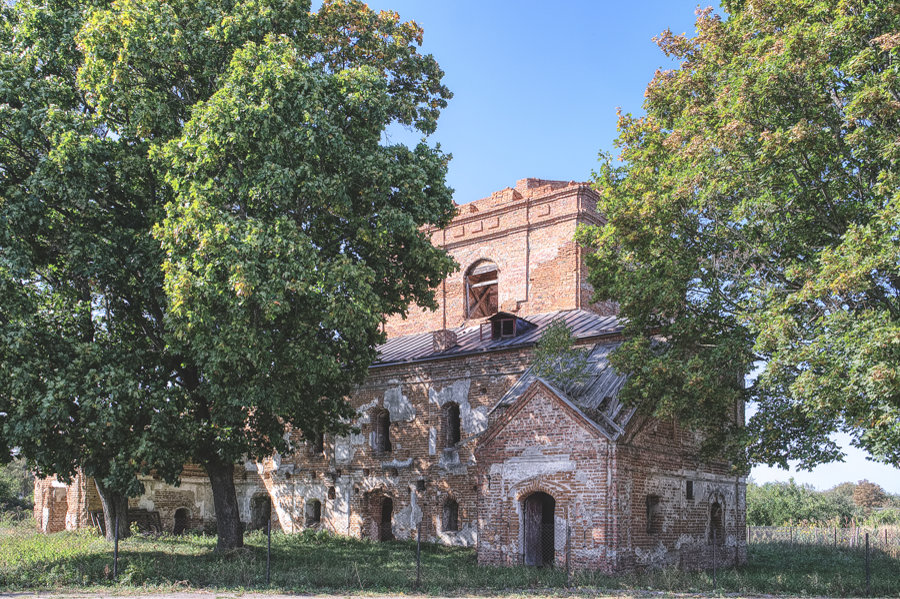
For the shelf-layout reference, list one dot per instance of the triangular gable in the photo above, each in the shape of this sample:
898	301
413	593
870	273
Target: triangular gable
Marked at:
538	385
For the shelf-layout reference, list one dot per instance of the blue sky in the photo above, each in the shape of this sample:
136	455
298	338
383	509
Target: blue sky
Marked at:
536	87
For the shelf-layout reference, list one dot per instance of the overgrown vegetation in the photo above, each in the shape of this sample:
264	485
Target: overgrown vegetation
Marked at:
783	503
16	489
324	563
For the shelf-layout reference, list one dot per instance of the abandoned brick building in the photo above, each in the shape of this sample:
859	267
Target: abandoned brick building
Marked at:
460	439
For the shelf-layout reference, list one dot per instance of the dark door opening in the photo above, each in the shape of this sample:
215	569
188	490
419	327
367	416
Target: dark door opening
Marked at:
182	520
540	538
387	511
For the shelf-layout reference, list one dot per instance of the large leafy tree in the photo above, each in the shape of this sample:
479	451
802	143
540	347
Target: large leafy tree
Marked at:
753	222
220	171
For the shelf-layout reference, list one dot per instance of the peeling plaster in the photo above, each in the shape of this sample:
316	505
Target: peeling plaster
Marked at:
472	420
398	405
432	441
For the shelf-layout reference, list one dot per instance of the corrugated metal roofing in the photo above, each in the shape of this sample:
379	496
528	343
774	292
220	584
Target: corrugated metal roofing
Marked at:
418	347
596	395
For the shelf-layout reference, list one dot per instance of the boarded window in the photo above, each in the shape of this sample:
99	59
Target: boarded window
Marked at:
450	520
654	515
716	524
313	512
450	420
482	297
382	431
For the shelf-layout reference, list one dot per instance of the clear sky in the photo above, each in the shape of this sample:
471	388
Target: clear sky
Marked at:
536	87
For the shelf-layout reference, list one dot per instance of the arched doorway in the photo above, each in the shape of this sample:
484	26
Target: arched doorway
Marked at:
260	511
387	511
182	521
540	537
378	516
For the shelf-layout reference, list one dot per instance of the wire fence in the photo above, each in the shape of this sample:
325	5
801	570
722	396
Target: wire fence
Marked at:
883	537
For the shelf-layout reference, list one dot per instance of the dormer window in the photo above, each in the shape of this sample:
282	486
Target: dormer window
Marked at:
482	297
504	325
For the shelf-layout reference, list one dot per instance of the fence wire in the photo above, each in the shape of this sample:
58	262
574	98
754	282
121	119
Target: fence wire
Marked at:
883	537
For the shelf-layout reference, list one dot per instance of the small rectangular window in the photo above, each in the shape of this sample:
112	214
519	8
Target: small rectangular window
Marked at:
689	489
654	516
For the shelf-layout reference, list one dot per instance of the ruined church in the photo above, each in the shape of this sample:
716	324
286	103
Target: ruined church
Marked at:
461	442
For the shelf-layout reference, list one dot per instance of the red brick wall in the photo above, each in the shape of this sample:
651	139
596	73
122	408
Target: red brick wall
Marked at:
541	446
528	232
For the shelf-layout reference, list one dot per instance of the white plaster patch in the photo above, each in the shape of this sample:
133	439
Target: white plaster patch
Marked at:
530	464
432	441
398	405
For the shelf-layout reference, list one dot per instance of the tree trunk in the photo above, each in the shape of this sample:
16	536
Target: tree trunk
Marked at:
228	521
115	508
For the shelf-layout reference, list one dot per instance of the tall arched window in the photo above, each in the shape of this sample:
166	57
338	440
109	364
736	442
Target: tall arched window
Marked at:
482	297
382	421
716	524
450	422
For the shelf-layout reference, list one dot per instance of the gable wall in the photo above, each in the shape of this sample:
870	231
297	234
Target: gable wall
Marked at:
543	448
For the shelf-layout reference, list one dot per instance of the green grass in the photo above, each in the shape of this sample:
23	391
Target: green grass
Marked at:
323	563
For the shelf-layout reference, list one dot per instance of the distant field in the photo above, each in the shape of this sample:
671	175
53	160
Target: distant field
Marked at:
80	561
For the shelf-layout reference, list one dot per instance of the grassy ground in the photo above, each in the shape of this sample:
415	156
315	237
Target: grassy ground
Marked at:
321	563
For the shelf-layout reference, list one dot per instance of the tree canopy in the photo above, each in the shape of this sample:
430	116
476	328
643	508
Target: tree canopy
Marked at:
753	222
203	227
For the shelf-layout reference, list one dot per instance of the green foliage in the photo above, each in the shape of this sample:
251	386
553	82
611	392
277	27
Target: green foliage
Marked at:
754	220
557	359
780	504
16	487
201	230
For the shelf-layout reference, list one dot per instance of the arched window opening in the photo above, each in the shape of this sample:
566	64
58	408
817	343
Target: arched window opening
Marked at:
451	424
382	422
313	512
540	536
654	515
716	524
482	294
317	444
182	521
450	519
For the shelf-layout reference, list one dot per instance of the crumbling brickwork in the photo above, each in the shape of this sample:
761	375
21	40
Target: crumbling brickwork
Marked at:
459	441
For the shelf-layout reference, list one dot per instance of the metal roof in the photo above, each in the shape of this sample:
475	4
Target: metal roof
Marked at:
420	347
596	395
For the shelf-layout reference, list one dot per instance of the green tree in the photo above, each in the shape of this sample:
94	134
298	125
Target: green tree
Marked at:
556	358
780	504
754	220
205	229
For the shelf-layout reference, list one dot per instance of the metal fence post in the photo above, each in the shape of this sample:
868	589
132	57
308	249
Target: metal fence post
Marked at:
868	572
419	556
715	569
269	551
568	555
116	551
